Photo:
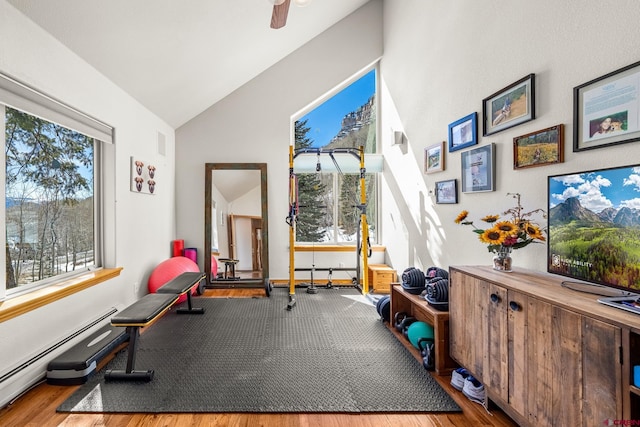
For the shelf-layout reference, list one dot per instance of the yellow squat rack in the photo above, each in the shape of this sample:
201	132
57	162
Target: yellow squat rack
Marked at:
293	213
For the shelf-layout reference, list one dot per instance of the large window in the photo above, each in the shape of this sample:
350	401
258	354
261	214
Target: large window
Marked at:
51	190
329	198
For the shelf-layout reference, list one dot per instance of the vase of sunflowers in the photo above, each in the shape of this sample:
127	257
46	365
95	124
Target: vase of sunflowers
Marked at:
502	237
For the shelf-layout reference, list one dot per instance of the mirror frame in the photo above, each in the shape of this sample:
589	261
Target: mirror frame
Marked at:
208	187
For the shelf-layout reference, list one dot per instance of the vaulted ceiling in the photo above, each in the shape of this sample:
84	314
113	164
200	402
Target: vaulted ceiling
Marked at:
178	57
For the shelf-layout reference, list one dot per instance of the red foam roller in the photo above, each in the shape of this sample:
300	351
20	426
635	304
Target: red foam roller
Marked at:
178	247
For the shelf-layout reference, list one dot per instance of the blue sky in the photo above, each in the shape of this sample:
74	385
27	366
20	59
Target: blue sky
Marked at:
616	188
325	119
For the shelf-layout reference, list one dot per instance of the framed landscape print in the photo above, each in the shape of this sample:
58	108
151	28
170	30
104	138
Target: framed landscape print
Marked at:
606	111
478	171
434	158
509	107
543	147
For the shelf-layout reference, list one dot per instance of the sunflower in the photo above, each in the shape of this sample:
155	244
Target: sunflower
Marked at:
490	218
506	227
461	217
492	236
534	232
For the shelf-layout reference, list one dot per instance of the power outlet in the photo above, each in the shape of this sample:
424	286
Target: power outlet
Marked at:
341	264
136	287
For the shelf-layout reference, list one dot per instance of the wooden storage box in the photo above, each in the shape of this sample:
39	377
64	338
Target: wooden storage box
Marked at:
380	278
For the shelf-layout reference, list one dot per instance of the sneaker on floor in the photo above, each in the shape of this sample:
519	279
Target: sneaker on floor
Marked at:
457	378
474	390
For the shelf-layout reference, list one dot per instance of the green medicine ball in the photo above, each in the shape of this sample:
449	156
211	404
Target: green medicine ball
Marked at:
419	330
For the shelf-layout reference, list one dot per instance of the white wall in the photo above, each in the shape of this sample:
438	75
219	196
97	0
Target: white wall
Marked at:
249	203
139	227
440	60
253	124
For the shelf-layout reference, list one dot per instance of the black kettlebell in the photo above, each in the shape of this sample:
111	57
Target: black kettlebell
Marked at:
422	344
398	319
427	347
402	322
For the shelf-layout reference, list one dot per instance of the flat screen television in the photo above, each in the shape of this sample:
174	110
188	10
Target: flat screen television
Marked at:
594	229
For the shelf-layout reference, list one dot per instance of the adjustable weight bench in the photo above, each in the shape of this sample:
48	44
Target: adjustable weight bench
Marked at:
146	310
138	315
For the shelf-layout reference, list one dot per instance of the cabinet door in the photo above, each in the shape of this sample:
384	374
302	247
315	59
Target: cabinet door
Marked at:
468	322
565	368
602	378
518	309
533	392
498	341
545	362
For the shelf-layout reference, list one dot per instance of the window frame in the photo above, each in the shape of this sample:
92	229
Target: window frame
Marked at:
19	96
336	175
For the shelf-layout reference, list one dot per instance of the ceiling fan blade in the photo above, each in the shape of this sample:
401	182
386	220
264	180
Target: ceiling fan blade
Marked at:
279	15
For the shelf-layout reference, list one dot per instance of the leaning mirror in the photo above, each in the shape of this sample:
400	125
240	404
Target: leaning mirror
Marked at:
236	224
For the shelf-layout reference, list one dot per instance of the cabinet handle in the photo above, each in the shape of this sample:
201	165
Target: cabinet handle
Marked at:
495	298
514	306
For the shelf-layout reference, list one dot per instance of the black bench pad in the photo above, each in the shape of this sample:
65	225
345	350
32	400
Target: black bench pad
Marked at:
181	284
145	310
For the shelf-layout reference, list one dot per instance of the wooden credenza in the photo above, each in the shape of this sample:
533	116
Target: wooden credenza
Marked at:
547	355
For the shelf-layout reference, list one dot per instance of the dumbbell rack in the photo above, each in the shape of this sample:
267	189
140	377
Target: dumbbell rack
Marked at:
414	306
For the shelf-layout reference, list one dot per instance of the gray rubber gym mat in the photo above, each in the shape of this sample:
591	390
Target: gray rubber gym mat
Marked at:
330	353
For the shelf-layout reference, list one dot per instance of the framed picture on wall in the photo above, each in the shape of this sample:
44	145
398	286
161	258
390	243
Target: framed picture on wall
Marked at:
543	147
606	111
509	107
434	158
463	132
447	191
478	171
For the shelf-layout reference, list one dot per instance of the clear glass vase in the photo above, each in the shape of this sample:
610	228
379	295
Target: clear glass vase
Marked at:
502	259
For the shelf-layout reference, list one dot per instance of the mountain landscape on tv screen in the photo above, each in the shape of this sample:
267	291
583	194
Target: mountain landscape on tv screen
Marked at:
601	247
572	210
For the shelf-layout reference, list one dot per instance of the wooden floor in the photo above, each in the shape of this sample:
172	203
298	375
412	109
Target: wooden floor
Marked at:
37	408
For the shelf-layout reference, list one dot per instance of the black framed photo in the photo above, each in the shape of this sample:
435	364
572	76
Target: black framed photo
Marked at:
478	169
464	132
447	191
606	110
509	107
539	148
